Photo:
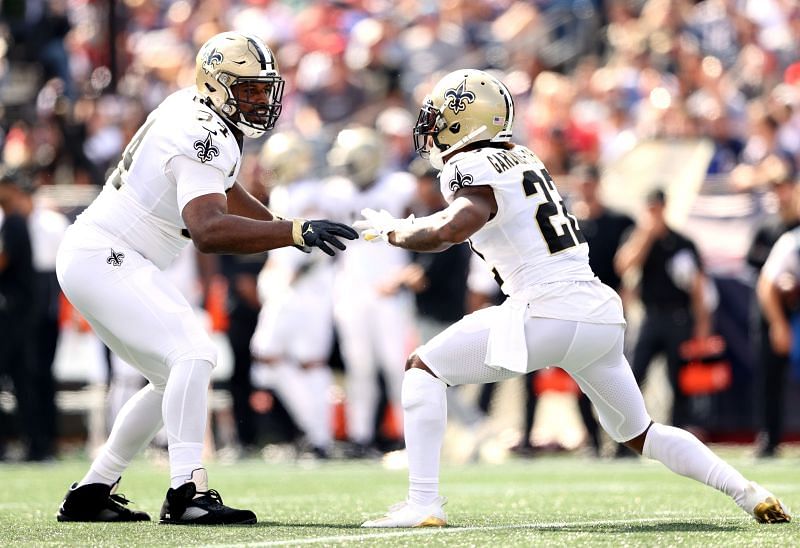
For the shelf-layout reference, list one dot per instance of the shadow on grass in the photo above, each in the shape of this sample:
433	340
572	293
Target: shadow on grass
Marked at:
672	527
332	526
631	528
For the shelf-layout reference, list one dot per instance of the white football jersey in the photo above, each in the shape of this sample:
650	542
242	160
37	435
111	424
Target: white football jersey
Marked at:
532	239
783	258
533	245
139	203
365	265
301	199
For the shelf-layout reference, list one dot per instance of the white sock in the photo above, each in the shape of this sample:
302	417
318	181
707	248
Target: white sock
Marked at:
185	410
684	454
425	417
319	380
136	424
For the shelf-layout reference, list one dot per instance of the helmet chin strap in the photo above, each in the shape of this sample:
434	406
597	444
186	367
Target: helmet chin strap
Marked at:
250	132
435	155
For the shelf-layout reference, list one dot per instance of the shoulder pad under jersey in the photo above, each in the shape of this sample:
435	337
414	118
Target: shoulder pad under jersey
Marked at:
203	137
465	169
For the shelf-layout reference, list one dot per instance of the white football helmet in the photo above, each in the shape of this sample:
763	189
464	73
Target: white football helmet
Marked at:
223	68
287	156
466	106
357	154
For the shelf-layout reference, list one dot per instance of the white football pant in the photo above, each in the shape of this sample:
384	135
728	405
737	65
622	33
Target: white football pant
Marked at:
590	353
373	333
291	346
140	315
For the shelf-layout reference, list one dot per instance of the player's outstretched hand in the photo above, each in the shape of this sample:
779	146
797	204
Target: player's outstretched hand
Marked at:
321	233
376	225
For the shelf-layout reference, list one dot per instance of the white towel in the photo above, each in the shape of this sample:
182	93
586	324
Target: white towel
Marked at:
507	348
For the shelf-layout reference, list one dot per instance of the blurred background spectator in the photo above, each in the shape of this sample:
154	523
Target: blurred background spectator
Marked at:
18	317
771	366
777	292
673	293
701	95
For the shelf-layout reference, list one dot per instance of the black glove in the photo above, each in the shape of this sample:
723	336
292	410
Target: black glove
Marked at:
321	233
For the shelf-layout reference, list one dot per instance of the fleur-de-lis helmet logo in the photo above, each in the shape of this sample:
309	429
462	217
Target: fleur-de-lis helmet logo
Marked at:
459	98
211	59
460	180
206	149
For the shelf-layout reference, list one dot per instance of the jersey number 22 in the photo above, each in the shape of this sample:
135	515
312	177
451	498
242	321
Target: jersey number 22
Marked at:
559	229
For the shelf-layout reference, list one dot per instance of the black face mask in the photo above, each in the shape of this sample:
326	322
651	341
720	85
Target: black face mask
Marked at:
263	115
426	126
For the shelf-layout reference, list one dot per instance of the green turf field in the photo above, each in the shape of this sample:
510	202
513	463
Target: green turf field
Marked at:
541	502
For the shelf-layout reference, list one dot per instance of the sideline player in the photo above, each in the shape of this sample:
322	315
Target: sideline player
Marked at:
296	296
176	180
503	200
374	325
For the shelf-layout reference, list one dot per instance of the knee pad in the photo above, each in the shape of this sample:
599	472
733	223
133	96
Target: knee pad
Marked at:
206	351
416	386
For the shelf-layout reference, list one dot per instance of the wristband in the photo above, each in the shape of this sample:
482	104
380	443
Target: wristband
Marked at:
297	232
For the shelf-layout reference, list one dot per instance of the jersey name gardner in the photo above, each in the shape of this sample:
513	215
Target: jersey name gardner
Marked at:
139	202
532	239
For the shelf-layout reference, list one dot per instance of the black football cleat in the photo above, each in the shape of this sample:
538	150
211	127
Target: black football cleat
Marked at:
193	503
97	502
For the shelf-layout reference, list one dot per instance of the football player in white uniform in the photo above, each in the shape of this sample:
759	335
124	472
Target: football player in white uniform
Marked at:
503	201
176	181
374	326
295	291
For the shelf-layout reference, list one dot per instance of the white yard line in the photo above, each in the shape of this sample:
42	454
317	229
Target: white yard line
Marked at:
399	533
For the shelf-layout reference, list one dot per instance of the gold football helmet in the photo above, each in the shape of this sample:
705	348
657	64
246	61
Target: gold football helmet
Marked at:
466	106
287	156
237	73
357	154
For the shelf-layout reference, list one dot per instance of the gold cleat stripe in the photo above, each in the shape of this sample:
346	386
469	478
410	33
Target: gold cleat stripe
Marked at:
432	521
771	511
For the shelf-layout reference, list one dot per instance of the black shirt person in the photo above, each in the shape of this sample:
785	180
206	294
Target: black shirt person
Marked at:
16	302
771	366
672	290
604	230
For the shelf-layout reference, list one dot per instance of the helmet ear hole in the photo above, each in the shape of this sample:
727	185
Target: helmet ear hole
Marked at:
455	128
210	88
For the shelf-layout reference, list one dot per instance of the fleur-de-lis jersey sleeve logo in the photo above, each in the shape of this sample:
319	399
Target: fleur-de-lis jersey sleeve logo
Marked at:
459	98
460	180
206	149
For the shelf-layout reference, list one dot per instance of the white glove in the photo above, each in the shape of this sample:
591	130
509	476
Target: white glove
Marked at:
376	225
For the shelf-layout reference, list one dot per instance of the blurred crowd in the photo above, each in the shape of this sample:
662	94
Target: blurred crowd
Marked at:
591	80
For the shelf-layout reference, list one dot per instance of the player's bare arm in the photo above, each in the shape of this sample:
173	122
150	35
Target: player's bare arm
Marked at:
244	204
471	209
216	230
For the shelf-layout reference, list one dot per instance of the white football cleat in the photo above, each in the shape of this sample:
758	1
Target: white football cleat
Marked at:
406	514
763	505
